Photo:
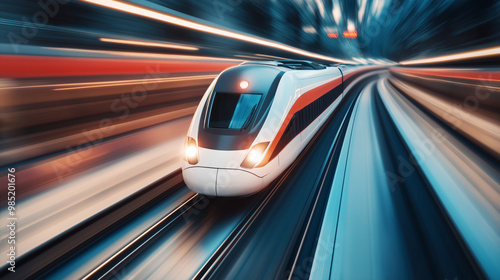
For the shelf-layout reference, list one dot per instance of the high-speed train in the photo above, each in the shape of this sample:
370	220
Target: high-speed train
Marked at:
253	122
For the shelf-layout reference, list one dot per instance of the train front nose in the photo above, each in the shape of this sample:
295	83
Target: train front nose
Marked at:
218	173
221	181
201	179
231	182
221	150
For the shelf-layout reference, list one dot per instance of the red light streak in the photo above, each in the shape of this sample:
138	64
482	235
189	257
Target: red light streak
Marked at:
350	34
333	35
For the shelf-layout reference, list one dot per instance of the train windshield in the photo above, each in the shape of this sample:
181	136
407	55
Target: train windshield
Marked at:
233	110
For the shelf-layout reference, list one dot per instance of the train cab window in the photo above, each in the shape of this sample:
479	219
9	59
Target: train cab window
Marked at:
233	110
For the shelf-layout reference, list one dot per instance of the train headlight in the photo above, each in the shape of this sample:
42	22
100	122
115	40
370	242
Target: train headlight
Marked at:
191	151
244	84
255	155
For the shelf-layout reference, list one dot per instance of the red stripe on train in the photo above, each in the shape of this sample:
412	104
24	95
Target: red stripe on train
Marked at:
30	66
304	100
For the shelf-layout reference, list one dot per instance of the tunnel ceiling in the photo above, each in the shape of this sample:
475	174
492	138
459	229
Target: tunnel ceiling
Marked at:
386	29
392	29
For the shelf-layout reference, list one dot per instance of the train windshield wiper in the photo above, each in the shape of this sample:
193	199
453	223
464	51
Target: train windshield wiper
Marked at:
250	117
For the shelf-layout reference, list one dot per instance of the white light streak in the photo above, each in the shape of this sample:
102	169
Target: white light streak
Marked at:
148	44
453	57
309	29
350	25
337	14
141	11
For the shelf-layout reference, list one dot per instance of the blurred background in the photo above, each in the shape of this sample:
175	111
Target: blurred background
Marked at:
386	30
96	97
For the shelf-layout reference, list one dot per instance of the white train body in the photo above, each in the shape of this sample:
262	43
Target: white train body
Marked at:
253	122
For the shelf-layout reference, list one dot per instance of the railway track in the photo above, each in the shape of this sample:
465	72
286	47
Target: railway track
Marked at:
132	250
41	260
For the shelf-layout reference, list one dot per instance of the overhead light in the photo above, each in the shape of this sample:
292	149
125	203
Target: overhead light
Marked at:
337	14
148	44
350	26
350	34
141	11
333	35
309	29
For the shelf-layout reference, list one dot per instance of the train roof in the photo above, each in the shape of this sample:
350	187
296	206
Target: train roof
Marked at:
291	64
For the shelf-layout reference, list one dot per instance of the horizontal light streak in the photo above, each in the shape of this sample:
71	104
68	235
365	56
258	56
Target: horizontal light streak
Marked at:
360	60
443	79
148	44
148	55
248	57
73	86
141	11
67	86
491	76
453	57
271	56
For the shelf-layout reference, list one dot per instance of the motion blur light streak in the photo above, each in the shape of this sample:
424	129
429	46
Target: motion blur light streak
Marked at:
204	28
494	51
428	78
71	86
492	76
149	55
149	44
270	56
35	66
249	57
398	178
128	82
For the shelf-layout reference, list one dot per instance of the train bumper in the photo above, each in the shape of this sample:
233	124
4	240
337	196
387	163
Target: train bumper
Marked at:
222	182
